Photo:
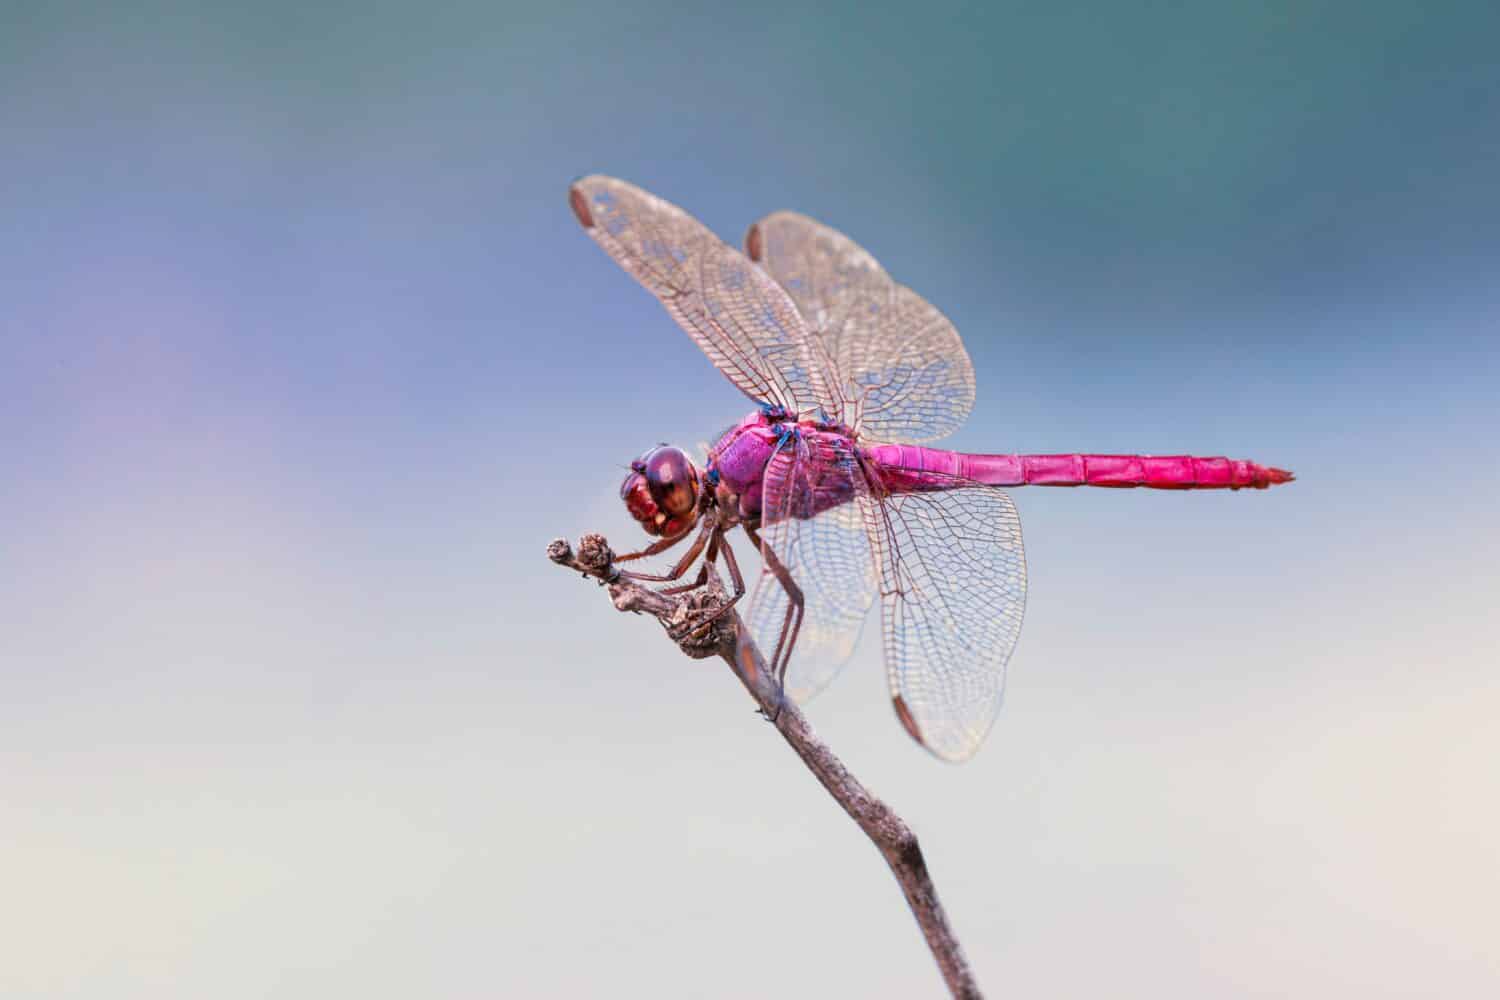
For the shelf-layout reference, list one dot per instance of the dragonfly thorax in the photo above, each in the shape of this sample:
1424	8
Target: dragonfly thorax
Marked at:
661	491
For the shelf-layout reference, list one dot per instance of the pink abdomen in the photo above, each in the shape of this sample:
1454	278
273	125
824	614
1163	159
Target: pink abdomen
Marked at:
909	468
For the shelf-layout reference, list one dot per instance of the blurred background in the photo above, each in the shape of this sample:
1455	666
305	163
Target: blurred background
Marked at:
303	360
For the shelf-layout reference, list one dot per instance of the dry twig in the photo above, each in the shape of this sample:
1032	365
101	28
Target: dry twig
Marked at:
727	638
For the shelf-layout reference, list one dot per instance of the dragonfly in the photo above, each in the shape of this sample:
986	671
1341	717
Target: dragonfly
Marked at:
832	477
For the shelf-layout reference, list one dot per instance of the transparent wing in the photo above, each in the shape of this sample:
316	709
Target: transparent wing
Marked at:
743	321
898	359
953	591
826	552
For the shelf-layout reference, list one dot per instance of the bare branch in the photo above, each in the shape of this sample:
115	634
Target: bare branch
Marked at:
728	638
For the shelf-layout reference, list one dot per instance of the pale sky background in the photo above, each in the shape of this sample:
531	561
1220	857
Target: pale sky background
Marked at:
303	360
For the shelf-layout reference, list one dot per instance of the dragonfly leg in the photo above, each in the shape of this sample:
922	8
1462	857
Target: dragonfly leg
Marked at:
736	578
676	572
655	548
720	541
694	584
791	624
708	560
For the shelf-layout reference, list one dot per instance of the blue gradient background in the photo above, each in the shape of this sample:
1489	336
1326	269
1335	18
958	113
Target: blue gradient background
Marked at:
303	360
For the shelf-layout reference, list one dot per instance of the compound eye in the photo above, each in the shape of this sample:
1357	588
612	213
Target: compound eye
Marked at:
672	479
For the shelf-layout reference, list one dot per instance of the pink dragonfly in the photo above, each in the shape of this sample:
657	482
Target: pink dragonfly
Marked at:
831	477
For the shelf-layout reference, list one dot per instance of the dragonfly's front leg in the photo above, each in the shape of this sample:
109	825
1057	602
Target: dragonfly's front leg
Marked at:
683	564
694	584
791	624
702	576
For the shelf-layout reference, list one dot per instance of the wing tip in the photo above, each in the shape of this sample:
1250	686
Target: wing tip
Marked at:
580	203
946	753
908	720
755	244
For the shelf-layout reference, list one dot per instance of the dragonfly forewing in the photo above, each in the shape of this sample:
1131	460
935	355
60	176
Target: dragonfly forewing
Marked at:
896	358
745	322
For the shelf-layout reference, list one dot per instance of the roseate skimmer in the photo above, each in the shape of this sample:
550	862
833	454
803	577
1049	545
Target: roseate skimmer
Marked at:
831	477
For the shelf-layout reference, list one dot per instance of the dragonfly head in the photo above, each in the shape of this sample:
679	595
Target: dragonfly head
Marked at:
661	491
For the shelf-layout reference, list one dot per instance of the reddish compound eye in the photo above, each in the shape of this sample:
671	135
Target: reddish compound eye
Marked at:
661	492
637	497
672	479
